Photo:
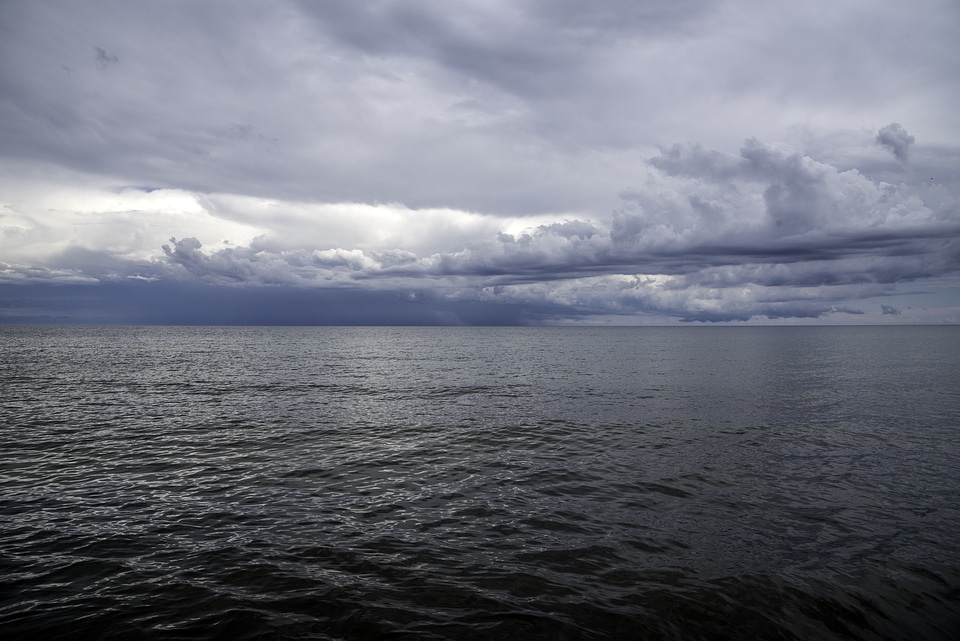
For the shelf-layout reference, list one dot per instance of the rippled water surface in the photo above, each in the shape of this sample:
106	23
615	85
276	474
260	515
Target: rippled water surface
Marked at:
489	483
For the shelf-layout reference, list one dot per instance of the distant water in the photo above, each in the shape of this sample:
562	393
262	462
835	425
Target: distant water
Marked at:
489	483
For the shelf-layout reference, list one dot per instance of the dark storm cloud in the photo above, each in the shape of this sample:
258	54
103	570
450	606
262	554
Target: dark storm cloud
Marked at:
867	257
897	140
145	303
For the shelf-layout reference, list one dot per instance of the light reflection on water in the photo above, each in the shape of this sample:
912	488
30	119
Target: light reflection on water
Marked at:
480	483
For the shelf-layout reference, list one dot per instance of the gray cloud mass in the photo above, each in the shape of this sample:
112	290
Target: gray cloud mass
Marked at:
522	162
897	140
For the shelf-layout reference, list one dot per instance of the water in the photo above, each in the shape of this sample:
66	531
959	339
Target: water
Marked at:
488	483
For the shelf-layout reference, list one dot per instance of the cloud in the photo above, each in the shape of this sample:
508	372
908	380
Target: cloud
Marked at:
890	310
495	107
103	59
768	233
896	139
690	160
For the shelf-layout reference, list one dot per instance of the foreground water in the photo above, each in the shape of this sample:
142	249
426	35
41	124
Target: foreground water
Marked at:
335	483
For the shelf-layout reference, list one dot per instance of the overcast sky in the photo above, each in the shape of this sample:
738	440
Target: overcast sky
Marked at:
480	161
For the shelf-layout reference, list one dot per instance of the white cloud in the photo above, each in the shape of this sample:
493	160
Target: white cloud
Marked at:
41	219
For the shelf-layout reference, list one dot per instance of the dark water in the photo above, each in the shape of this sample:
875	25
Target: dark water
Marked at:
333	483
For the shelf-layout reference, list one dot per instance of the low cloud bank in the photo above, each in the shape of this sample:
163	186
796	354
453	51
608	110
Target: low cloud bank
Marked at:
712	236
768	232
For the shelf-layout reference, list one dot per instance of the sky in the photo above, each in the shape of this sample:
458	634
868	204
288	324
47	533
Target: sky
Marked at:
520	162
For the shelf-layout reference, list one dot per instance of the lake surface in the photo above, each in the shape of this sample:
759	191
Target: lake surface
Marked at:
480	483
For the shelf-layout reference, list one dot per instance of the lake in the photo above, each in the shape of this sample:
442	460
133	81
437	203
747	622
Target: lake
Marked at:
480	483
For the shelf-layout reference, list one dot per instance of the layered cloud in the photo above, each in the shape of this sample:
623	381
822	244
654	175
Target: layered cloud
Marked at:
767	232
565	161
